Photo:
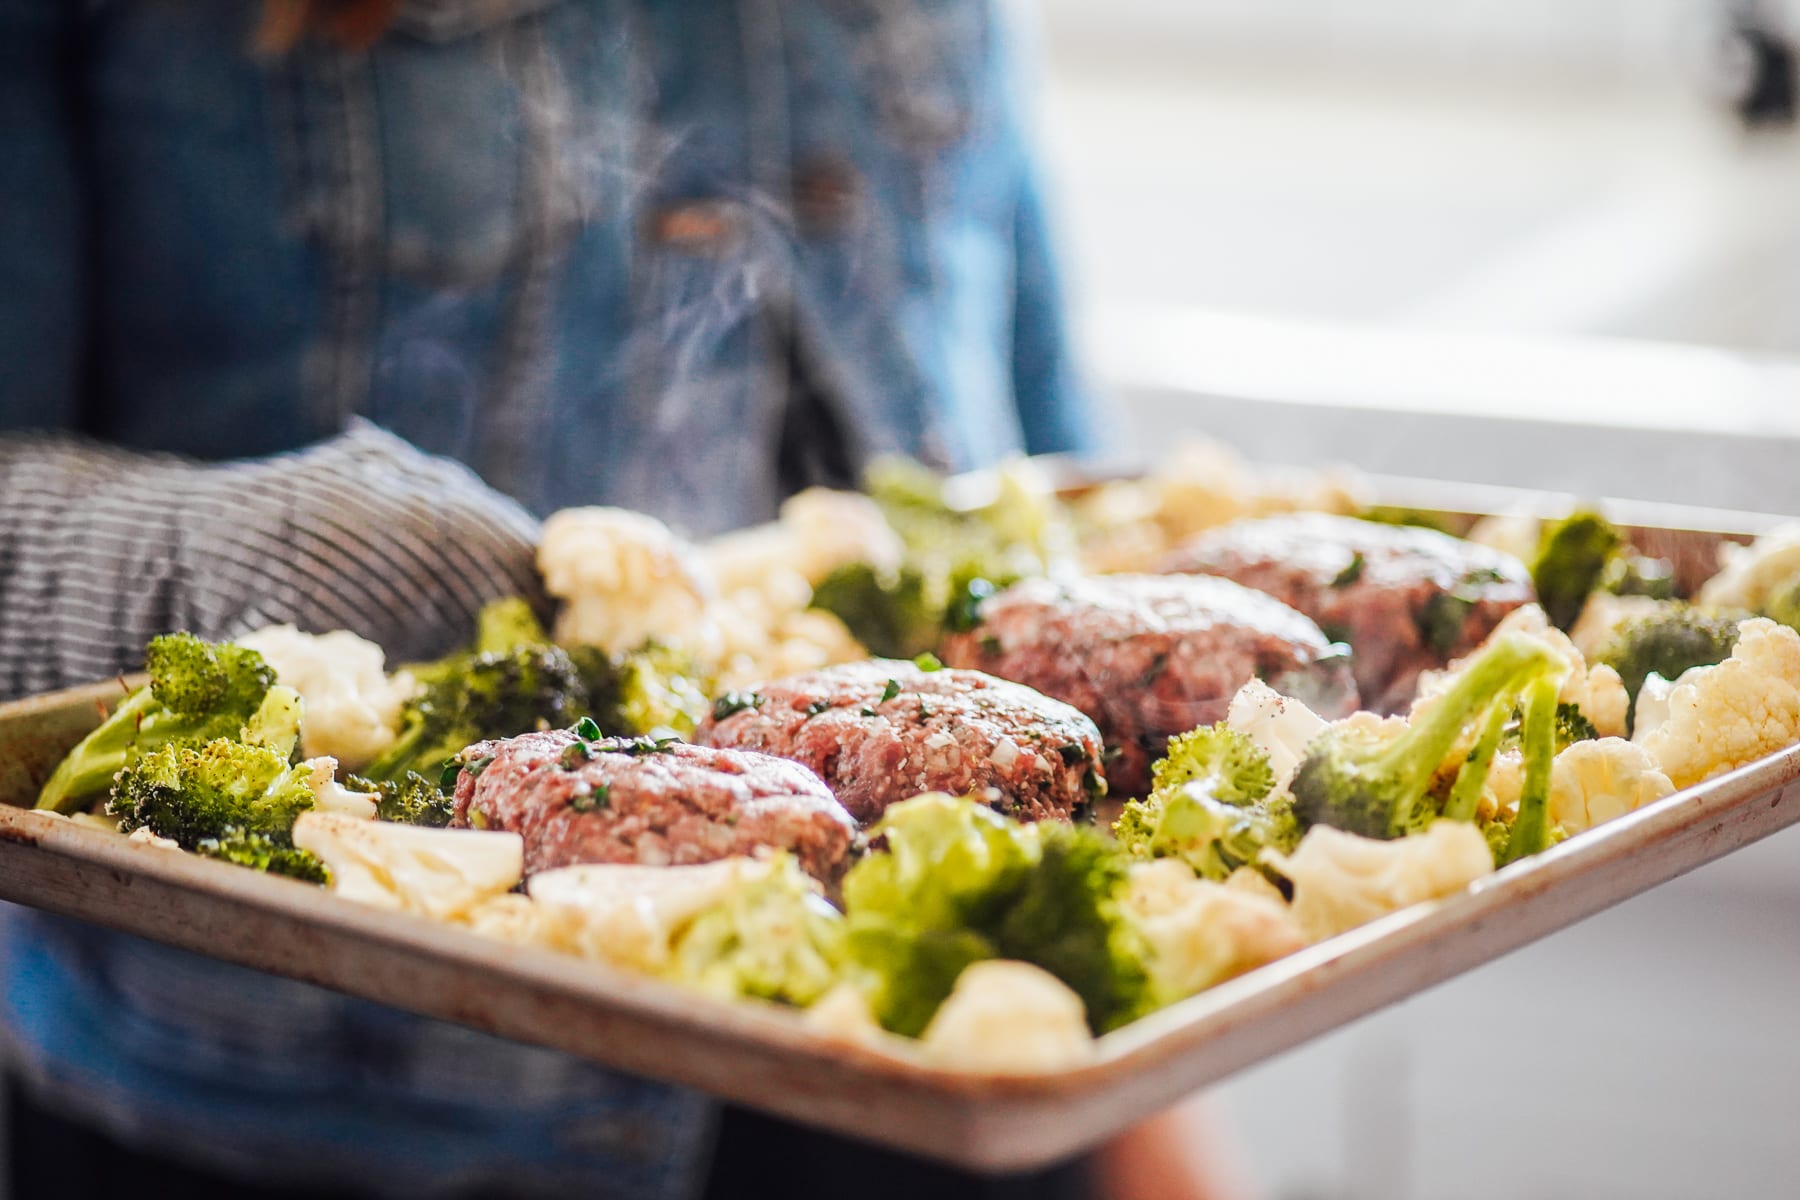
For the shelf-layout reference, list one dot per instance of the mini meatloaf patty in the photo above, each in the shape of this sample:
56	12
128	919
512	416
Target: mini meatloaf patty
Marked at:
881	731
1406	599
1149	656
639	801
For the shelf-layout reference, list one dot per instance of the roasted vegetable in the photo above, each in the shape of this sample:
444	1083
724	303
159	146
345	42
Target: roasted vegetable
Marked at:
411	799
198	691
956	883
223	788
264	852
1210	805
1572	560
1668	643
1357	778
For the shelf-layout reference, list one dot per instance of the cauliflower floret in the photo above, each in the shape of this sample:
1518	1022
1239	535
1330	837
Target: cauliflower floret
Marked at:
1653	702
843	1015
1726	716
1279	724
439	873
1514	533
1749	575
1009	1018
1342	880
819	530
629	914
1602	615
1595	781
1118	528
1200	485
333	797
1254	882
763	638
1201	933
1504	785
625	580
1597	691
146	836
510	917
833	529
352	705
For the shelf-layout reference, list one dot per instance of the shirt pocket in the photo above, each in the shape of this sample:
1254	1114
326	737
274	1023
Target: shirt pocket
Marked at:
427	159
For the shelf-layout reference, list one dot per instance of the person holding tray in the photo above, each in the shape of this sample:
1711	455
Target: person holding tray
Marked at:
310	309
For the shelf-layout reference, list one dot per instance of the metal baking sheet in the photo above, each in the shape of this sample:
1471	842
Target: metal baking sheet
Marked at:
764	1057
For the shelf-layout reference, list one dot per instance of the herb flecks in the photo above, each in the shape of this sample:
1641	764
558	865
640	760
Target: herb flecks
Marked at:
890	691
1351	572
1158	666
928	662
732	703
817	707
595	799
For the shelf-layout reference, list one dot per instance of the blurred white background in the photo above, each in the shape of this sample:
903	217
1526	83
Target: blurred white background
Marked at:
1517	241
1520	195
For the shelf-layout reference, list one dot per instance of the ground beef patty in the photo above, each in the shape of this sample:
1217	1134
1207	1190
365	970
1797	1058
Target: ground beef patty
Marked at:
1405	599
638	801
1150	656
882	731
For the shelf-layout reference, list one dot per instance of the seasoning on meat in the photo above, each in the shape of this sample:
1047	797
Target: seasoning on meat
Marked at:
883	731
651	801
1406	599
1149	656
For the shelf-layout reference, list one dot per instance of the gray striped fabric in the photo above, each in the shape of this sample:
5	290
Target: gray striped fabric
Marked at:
101	549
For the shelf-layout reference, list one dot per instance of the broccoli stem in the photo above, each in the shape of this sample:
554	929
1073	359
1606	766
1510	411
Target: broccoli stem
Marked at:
1531	828
1490	680
88	769
1465	794
391	765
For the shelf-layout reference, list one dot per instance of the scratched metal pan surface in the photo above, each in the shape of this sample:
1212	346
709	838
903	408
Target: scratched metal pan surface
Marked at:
766	1058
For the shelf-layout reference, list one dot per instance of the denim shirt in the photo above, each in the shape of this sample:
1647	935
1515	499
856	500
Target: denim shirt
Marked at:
583	245
598	250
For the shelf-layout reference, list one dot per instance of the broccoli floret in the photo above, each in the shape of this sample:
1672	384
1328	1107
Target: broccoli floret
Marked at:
1571	726
1572	558
1395	514
1531	827
656	690
954	883
476	696
506	625
1066	920
1631	574
198	691
410	800
1783	604
891	614
1380	788
774	938
194	792
1210	836
1235	769
1668	643
954	557
1209	805
261	852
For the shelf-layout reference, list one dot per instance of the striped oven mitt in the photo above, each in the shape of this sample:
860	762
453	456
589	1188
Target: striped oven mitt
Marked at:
102	549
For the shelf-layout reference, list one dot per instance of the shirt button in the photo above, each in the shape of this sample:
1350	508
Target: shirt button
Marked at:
705	228
827	196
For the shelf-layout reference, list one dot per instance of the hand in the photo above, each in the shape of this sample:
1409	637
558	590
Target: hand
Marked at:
100	550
